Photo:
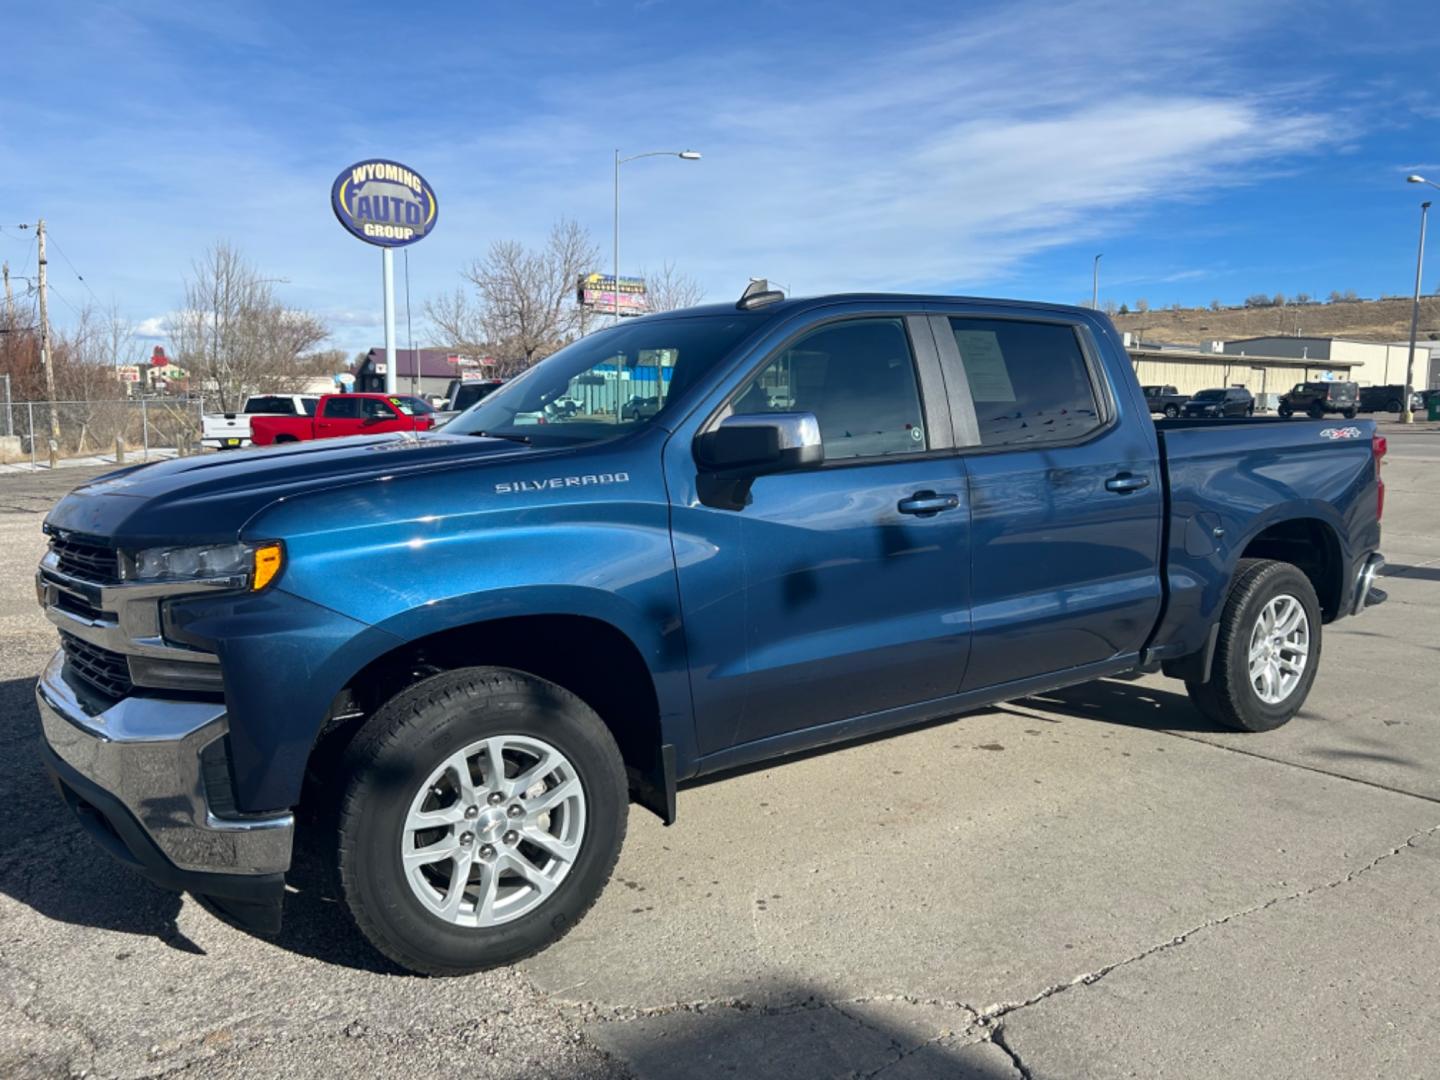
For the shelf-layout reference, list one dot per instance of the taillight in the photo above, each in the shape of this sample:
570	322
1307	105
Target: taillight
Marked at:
1379	447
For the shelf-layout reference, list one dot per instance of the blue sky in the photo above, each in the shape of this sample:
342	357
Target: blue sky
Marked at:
1208	149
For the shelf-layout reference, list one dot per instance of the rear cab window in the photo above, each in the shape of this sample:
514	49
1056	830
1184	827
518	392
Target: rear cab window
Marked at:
1029	381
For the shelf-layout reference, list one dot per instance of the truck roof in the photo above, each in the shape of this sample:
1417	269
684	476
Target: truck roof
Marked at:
791	305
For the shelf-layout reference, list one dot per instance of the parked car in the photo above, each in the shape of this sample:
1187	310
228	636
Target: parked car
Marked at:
1226	401
1315	399
346	414
640	408
1387	398
463	653
1164	399
231	430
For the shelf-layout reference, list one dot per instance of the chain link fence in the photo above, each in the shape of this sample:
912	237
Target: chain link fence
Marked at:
140	429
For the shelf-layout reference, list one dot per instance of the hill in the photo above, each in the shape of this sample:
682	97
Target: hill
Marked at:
1361	320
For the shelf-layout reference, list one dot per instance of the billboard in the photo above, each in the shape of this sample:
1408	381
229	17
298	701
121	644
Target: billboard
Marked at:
385	203
128	372
598	293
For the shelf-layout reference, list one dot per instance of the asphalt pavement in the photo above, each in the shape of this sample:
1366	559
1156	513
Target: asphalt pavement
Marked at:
1092	883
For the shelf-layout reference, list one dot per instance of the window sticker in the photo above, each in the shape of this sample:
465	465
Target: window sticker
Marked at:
984	365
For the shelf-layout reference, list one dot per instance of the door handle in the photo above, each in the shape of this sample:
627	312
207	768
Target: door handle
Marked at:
927	504
1126	482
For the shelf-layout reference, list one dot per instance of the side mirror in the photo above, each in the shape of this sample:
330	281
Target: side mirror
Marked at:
743	447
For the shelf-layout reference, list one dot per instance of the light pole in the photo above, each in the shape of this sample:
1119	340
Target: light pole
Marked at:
1408	415
1095	283
683	155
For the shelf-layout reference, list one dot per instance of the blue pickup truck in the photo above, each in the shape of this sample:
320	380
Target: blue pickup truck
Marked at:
462	654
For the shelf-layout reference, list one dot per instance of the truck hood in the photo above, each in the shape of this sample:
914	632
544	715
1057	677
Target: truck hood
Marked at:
208	498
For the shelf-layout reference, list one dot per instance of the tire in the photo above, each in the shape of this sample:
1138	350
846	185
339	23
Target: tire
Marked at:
1229	696
1285	411
1393	405
1349	414
1317	412
1250	410
1171	412
392	767
284	439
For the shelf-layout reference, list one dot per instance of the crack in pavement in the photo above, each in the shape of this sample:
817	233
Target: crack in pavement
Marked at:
998	1011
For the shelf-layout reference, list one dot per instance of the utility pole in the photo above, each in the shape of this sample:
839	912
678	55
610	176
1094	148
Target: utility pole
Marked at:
9	298
45	350
1407	414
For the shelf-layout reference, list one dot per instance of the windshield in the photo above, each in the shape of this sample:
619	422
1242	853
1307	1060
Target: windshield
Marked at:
1209	395
607	383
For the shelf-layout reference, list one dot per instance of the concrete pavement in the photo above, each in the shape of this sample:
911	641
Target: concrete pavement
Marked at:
1089	884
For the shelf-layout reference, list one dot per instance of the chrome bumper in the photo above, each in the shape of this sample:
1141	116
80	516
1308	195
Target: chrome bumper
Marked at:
146	753
1365	593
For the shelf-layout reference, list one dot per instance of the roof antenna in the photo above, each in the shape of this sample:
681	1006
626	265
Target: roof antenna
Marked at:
757	294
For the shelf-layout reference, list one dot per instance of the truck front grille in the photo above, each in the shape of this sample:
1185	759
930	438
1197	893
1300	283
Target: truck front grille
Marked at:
108	672
85	559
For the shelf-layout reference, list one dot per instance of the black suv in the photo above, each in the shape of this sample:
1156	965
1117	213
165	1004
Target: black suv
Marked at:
1228	401
1318	398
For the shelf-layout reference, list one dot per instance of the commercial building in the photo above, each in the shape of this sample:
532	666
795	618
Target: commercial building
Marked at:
417	371
1369	363
1191	370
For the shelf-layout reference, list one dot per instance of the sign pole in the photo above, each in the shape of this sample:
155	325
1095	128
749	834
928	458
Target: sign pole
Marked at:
387	256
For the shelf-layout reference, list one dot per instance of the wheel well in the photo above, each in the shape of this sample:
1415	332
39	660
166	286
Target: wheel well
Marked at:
589	657
1312	546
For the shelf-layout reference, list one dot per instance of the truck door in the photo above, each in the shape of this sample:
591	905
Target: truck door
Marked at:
380	415
1065	497
338	416
838	591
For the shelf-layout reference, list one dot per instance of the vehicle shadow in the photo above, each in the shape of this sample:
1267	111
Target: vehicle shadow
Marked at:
51	866
1128	703
797	1032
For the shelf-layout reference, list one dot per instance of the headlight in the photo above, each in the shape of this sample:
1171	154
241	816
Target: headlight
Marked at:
255	564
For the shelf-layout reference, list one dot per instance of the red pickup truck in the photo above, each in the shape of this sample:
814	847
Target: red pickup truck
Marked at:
346	414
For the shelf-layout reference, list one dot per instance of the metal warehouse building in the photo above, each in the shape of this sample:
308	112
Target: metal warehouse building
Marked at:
1191	370
1370	363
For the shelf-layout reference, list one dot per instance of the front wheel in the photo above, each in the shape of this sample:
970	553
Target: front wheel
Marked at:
1268	649
1172	411
1285	411
483	814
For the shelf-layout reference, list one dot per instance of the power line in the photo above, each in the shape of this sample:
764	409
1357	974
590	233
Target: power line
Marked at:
56	292
50	234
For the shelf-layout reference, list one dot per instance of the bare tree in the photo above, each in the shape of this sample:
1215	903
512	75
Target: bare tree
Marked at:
459	323
1142	305
235	336
670	290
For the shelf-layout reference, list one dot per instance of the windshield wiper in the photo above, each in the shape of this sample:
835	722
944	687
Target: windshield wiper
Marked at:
502	435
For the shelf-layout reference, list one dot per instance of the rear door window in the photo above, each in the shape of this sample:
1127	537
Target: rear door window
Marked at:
340	408
1029	381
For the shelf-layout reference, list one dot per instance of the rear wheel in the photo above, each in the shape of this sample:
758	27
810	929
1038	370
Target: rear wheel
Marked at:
1317	412
482	817
1393	405
1268	649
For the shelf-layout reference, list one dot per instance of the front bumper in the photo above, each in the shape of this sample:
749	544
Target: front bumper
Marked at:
142	776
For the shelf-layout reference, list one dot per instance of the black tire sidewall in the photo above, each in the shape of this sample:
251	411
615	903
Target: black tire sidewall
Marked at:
1233	667
388	775
1171	412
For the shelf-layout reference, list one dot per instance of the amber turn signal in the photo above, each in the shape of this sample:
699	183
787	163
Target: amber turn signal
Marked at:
269	558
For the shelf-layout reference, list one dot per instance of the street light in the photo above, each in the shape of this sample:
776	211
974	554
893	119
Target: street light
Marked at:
1408	416
683	155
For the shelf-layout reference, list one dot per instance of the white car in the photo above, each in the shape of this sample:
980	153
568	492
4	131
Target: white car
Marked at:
228	431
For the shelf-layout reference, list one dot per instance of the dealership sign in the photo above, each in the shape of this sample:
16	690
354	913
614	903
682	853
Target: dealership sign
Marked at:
599	293
383	202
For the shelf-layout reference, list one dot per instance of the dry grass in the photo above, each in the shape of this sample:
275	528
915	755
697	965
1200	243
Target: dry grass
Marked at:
1364	320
